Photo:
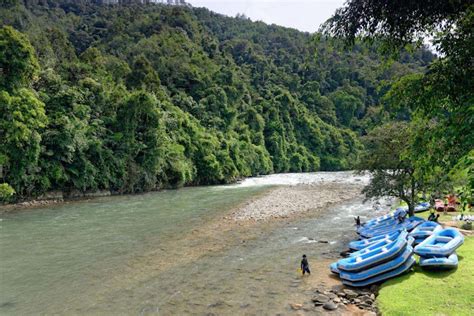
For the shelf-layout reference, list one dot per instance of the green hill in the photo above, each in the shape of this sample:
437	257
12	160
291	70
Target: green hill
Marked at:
139	97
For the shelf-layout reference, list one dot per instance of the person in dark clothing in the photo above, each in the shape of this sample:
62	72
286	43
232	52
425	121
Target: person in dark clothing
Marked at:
436	219
357	220
432	217
305	265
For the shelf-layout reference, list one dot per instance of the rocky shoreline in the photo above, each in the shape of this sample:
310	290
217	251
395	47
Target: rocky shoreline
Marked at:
53	198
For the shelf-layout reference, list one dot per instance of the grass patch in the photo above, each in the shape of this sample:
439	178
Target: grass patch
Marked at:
442	217
423	292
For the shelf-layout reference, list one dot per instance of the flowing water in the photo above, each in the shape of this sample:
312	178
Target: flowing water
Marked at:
136	255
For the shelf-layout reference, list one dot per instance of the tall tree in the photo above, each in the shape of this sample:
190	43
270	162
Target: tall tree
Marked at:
443	98
18	63
392	172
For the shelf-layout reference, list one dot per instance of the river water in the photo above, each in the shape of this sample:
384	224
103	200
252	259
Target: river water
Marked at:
137	255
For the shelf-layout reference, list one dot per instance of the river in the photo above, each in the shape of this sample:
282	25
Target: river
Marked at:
156	253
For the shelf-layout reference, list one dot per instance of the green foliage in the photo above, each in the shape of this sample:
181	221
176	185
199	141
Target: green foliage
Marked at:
439	101
18	64
131	98
6	192
22	118
392	172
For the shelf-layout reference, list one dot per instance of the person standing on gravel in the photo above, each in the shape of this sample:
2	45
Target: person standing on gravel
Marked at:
305	265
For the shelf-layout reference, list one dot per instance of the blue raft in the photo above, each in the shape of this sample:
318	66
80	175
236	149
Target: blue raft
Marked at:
384	276
421	207
450	262
333	268
408	224
375	256
361	244
387	217
381	243
424	230
380	269
440	244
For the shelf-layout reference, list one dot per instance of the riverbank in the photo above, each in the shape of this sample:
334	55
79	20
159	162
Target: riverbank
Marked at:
188	251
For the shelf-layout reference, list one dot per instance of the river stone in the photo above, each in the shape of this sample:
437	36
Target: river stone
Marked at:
350	293
336	300
296	306
337	288
331	295
372	297
216	304
330	306
374	289
320	298
364	306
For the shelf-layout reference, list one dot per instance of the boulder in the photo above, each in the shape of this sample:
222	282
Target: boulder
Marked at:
330	306
320	298
350	293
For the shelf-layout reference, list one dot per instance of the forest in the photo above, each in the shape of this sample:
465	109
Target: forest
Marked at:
138	97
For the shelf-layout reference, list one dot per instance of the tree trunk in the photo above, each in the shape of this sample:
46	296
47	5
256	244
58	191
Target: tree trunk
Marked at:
411	205
411	209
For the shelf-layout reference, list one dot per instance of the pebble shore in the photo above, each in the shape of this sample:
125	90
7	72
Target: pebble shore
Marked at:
289	201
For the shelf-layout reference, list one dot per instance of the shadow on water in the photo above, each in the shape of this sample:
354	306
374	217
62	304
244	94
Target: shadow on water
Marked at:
7	305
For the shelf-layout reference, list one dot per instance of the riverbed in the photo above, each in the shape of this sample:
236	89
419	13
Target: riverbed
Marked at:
189	251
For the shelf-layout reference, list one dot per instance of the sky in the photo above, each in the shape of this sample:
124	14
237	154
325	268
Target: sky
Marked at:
304	15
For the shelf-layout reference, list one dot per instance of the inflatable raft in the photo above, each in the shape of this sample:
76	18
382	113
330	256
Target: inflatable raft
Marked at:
421	207
379	244
440	244
387	217
424	230
450	262
408	224
380	269
360	244
384	276
333	268
375	256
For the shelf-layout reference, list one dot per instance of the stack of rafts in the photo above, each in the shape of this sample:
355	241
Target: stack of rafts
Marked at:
389	225
379	261
439	249
385	249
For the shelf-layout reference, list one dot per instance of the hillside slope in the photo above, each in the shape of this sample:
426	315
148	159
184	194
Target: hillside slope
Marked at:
132	98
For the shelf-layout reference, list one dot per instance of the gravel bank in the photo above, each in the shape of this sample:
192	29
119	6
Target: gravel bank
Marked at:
288	201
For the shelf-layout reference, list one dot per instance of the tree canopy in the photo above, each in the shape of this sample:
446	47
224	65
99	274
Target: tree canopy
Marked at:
136	97
441	101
